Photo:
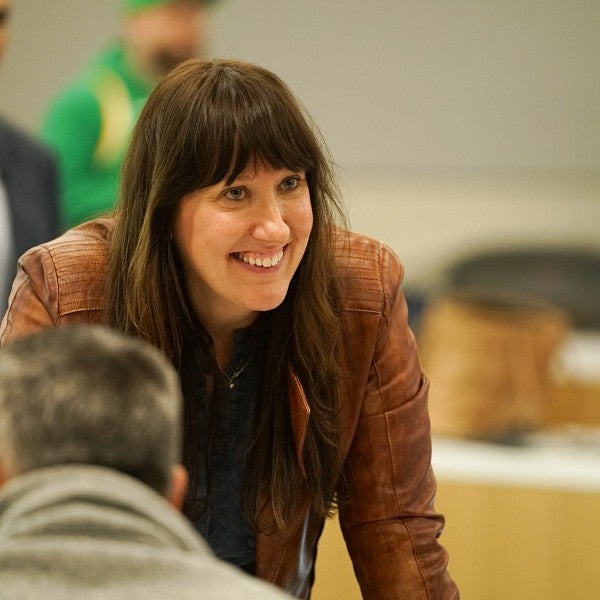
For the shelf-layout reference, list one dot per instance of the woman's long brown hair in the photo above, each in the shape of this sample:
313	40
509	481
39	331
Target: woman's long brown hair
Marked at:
203	124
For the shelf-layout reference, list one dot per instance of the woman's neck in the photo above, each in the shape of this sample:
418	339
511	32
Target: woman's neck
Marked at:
223	338
223	346
221	326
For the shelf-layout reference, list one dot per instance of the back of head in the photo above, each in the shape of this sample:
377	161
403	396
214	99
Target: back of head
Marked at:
89	395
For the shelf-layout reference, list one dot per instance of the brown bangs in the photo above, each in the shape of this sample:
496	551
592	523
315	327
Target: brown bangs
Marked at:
235	115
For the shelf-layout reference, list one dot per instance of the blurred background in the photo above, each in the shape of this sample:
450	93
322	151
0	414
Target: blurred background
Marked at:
467	136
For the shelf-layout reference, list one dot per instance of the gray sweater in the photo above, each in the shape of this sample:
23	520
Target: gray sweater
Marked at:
88	532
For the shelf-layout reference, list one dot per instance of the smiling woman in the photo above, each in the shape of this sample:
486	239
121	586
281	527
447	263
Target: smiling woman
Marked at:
302	384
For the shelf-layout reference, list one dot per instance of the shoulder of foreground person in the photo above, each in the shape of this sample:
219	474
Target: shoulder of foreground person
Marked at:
60	282
44	548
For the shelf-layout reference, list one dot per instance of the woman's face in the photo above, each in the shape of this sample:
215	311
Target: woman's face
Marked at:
241	243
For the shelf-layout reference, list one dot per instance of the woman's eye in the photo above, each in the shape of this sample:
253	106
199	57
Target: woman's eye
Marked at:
235	194
290	183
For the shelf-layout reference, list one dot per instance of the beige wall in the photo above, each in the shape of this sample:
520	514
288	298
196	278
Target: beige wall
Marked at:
392	82
49	41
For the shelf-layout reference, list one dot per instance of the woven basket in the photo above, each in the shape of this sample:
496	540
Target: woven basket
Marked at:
488	359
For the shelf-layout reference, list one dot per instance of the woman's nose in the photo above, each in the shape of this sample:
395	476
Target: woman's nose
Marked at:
270	224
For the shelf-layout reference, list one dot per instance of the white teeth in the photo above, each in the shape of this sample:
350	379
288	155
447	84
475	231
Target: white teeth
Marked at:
265	263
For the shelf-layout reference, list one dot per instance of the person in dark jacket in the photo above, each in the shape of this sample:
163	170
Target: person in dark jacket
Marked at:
29	212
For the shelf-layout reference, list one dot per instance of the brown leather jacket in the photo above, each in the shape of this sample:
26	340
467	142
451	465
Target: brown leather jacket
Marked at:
389	522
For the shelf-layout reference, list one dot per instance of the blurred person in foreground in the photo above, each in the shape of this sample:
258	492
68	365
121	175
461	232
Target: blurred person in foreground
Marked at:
90	438
302	382
28	189
88	124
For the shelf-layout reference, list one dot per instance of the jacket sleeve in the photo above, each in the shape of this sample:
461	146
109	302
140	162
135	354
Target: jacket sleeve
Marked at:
33	303
386	510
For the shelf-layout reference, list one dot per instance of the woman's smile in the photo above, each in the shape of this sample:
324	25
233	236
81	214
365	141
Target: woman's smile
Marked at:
265	261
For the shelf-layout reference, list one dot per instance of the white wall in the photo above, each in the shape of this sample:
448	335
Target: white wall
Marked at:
454	122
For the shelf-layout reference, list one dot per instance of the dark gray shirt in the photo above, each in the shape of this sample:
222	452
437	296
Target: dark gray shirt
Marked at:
223	524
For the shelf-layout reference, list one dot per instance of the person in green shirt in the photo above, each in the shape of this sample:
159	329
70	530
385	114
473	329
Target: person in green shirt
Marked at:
87	125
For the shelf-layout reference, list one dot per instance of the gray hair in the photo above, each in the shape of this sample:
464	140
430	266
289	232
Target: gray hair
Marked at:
91	395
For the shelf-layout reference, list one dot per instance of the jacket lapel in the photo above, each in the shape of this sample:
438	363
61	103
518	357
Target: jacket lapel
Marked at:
299	414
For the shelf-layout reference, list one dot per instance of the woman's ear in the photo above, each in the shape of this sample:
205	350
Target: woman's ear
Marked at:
179	481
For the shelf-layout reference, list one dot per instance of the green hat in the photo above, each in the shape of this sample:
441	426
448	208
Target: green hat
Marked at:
129	6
